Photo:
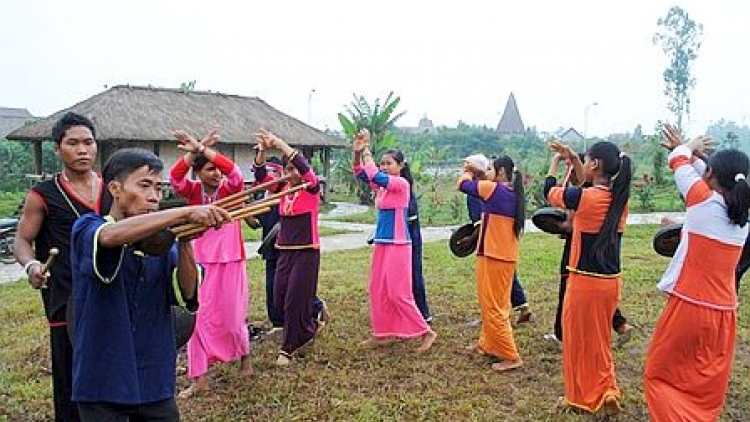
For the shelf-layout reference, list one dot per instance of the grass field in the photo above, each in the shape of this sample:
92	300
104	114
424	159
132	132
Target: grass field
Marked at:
338	382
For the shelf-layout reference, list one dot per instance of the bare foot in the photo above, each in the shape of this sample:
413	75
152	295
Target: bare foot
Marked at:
246	366
507	365
525	317
374	342
474	348
198	386
427	341
624	335
612	406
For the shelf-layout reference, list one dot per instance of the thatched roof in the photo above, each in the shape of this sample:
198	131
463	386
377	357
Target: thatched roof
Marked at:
130	113
510	122
13	118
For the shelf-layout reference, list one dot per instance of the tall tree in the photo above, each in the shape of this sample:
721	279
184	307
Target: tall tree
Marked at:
680	39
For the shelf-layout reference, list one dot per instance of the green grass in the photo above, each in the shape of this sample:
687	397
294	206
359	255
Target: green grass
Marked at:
251	235
9	202
338	382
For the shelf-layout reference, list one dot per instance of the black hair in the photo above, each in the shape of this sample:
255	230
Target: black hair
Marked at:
616	167
398	156
199	161
124	162
274	159
726	165
506	163
67	121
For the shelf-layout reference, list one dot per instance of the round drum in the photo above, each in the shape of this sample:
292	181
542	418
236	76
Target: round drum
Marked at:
463	241
184	324
667	239
549	220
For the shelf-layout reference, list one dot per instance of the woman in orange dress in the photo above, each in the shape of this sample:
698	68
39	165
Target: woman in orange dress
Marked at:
689	360
497	255
594	283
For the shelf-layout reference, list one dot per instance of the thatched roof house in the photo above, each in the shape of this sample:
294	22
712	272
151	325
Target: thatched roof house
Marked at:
126	116
13	118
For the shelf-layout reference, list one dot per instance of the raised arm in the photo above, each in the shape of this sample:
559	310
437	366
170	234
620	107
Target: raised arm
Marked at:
298	160
688	180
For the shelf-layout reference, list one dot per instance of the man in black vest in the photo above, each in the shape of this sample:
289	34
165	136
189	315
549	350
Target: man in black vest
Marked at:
50	209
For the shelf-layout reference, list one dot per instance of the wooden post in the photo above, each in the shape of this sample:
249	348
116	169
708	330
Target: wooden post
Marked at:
38	157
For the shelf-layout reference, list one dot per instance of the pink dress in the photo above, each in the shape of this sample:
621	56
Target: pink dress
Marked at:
393	311
221	325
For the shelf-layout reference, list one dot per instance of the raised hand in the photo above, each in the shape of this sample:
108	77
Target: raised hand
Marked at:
701	143
361	140
212	137
187	142
267	139
672	137
470	168
565	151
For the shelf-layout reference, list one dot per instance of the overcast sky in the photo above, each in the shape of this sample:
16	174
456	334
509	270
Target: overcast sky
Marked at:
448	61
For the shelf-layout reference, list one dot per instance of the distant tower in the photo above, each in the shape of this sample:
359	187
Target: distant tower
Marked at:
425	125
511	123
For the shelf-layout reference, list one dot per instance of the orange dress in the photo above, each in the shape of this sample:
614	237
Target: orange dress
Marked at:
592	296
497	257
690	357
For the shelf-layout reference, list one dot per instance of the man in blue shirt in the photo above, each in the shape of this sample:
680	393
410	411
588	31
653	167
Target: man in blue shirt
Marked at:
123	344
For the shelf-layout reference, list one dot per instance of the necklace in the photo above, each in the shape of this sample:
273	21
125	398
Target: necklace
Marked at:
94	185
289	200
206	198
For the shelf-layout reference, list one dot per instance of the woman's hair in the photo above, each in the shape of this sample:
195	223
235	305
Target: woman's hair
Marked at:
727	165
506	163
398	156
199	161
616	167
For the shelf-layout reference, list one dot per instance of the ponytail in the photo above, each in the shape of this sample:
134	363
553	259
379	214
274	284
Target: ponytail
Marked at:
406	174
738	202
731	167
618	167
520	215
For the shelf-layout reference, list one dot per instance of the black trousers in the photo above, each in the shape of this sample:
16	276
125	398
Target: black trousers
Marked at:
160	411
62	374
618	319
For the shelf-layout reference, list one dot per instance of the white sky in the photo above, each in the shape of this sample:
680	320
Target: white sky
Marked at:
450	61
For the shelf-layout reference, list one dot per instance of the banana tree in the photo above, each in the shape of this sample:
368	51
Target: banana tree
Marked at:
377	118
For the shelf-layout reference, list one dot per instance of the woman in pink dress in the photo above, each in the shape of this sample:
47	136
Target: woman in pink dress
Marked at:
393	311
221	328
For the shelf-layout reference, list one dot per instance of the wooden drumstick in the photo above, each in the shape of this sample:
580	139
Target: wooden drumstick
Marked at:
48	263
50	260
